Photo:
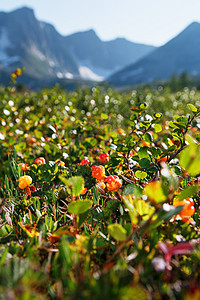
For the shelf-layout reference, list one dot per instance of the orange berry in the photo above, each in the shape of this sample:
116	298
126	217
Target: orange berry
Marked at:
120	131
24	166
27	191
84	190
40	161
18	72
24	181
98	172
145	144
103	158
32	140
60	162
84	161
100	185
194	129
131	153
113	183
164	159
188	208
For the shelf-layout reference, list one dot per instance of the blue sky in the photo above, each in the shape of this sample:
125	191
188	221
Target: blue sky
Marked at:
144	21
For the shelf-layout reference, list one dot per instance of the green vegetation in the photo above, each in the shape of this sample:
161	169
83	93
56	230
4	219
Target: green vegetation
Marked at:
76	224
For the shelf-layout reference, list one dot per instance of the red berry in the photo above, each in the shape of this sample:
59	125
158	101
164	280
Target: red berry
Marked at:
40	161
103	158
32	140
98	172
164	159
24	166
113	183
188	208
84	161
84	190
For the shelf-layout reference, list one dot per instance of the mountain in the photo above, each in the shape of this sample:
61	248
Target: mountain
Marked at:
49	56
104	57
24	41
180	54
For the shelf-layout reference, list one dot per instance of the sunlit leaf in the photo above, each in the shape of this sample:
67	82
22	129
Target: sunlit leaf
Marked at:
133	189
75	184
79	207
155	192
192	108
140	174
117	232
188	192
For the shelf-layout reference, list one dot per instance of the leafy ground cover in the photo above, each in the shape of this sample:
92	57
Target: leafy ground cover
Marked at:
99	194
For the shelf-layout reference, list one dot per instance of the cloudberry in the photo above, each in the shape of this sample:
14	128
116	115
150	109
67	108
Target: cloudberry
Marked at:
84	190
103	158
188	208
32	140
113	183
40	161
98	172
84	161
23	165
164	159
101	185
24	181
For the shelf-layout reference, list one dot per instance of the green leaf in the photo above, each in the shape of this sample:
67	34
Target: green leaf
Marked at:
192	107
144	209
104	116
155	192
157	115
148	137
173	124
164	215
4	230
117	232
79	207
128	139
128	201
188	192
132	189
82	217
190	159
155	151
3	256
92	141
144	163
143	106
140	174
157	128
75	183
143	152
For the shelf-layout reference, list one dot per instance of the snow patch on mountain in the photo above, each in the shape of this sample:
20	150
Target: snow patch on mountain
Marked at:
87	73
36	52
5	44
67	75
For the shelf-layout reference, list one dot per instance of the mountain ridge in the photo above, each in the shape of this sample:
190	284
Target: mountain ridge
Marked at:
37	45
179	54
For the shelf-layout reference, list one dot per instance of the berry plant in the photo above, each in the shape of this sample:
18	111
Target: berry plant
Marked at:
99	194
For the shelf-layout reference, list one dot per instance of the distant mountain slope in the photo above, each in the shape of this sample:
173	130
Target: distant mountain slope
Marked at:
180	54
103	58
24	41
